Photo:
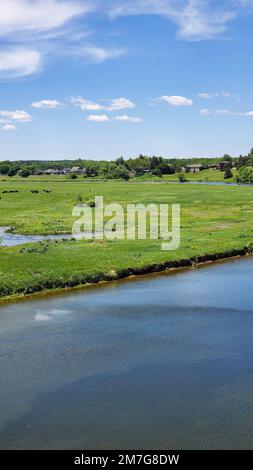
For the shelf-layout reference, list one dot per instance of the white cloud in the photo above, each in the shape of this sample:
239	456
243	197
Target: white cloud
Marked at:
225	112
49	28
18	116
48	104
105	118
176	100
98	118
220	112
195	19
9	127
108	105
120	103
205	112
200	20
227	94
223	94
37	16
46	28
19	62
86	105
129	119
98	54
207	96
245	3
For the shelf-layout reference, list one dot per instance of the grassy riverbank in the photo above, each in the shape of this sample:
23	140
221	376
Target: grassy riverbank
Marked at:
215	220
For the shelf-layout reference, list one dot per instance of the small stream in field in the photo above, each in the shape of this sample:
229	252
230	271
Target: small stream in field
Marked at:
12	239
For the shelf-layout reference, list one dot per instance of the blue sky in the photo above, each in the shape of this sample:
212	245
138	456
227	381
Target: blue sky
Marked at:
99	79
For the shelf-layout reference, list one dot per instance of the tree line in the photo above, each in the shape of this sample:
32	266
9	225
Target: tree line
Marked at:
125	168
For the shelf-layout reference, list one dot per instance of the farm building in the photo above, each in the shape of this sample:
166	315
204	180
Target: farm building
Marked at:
194	168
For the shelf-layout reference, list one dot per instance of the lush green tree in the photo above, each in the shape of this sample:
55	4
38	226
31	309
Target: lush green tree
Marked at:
106	169
121	173
166	169
120	161
155	162
4	168
250	160
228	165
242	161
25	173
12	171
182	178
228	173
227	158
157	172
92	169
245	175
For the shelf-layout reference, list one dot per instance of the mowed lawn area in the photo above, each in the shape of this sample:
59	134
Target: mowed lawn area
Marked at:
215	219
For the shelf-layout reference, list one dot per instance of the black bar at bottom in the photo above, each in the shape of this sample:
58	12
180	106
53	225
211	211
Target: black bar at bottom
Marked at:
109	459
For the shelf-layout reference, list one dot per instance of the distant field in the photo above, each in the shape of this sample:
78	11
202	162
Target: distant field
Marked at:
205	175
202	176
214	219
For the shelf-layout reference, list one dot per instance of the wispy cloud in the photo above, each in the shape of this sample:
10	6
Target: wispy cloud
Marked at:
98	118
205	112
195	19
176	100
107	105
105	118
24	29
86	105
9	127
17	116
38	16
46	104
96	54
223	94
19	62
130	119
225	112
33	30
120	103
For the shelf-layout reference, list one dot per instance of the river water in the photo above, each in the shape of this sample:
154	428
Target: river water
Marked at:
160	362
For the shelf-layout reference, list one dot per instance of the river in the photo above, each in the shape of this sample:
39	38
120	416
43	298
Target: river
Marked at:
160	362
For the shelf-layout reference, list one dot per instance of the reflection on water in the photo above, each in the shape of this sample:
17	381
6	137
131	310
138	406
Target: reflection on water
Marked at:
164	362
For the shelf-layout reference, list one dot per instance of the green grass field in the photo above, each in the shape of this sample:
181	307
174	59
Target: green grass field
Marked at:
203	176
215	219
209	175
